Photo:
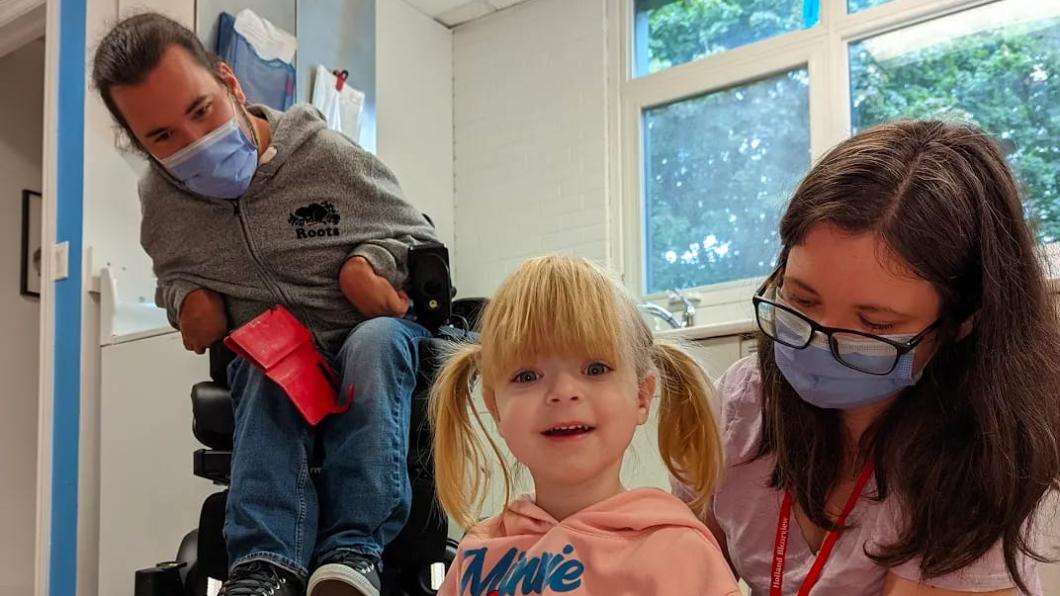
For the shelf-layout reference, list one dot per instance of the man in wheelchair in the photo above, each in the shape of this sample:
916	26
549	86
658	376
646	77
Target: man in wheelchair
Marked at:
244	208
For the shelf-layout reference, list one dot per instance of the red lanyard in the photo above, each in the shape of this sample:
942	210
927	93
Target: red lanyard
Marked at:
780	547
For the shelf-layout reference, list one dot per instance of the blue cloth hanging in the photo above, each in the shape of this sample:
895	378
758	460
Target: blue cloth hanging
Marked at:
268	82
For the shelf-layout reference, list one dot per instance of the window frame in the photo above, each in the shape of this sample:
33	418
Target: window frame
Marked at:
823	50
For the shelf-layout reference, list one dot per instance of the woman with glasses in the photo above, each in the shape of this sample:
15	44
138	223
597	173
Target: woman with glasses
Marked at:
898	429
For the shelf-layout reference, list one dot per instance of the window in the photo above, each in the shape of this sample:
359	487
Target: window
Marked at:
713	199
724	103
673	32
859	5
997	66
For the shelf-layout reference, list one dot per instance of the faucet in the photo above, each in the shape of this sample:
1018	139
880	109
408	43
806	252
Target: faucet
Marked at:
660	312
689	314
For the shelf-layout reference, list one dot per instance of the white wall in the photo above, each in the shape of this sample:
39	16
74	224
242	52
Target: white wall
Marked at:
530	116
414	108
21	136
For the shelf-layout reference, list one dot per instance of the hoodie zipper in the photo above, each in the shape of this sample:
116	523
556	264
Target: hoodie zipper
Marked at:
266	274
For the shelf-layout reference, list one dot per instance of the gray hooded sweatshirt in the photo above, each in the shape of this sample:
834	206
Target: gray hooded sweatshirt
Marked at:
318	201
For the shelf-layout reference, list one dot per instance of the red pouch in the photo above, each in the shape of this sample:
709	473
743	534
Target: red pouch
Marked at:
281	347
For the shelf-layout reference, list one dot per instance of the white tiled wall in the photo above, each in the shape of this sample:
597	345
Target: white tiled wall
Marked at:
530	120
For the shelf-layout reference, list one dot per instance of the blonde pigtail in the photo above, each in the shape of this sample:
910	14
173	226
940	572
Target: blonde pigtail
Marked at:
461	467
689	441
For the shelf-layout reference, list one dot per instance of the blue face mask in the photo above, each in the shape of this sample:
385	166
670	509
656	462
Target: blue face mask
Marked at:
220	164
823	381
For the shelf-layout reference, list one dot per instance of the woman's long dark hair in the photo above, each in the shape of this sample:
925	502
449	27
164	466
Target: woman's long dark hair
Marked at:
971	450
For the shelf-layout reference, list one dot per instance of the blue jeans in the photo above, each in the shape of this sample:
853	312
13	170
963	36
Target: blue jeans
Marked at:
360	500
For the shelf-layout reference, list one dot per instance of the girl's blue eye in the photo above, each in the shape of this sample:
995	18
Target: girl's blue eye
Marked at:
526	376
597	368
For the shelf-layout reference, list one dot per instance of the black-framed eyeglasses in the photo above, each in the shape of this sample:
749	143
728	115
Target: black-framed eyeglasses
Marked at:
864	352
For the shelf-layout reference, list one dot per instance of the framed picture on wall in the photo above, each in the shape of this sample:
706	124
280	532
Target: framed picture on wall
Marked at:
31	243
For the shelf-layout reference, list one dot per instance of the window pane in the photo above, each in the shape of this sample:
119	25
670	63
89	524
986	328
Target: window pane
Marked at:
718	170
672	32
997	66
859	5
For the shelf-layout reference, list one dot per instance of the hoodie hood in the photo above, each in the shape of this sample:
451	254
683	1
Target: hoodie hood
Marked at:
627	513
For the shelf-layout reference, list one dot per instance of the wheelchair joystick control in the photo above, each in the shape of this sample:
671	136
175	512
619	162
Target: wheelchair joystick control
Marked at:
161	580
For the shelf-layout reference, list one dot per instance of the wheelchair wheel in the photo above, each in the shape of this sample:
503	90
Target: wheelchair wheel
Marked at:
195	585
191	575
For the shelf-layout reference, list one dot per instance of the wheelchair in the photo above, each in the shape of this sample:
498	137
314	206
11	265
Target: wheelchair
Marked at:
415	561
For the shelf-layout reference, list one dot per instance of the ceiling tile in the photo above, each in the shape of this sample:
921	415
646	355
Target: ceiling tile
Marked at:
433	8
465	12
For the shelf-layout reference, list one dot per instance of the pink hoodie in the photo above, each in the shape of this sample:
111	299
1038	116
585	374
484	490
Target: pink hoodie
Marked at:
641	542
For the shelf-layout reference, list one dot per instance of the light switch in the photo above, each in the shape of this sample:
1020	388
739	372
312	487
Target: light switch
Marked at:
61	261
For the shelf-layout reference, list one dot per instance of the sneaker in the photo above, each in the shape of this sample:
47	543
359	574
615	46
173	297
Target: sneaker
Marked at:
345	574
258	578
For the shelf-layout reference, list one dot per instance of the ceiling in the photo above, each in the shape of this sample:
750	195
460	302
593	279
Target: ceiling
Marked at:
21	21
456	12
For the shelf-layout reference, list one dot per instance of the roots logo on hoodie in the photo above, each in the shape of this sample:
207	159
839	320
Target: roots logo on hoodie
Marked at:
517	574
315	220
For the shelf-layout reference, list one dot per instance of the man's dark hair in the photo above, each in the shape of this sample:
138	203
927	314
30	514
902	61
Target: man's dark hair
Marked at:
134	47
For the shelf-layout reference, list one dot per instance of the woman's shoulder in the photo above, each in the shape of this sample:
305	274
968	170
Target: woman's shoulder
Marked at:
988	572
740	392
741	384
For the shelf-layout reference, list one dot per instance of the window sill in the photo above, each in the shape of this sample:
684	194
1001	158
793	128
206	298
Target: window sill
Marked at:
708	330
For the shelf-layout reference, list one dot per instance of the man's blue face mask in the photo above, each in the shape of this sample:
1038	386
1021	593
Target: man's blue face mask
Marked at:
220	164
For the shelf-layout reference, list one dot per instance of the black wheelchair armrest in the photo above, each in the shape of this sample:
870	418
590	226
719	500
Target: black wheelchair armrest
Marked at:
220	358
213	464
213	421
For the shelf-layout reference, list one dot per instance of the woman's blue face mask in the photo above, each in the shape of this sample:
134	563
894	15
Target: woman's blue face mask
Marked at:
837	368
822	380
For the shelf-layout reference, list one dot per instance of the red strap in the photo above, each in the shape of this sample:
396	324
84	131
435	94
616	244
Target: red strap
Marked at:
780	545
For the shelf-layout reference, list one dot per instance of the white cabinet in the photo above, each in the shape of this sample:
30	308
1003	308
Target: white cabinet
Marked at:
148	496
